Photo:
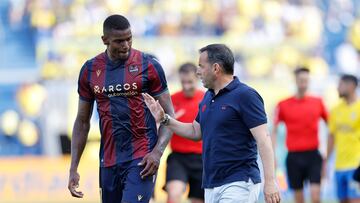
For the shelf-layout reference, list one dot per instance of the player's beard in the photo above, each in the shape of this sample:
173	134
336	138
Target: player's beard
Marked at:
118	54
342	95
122	55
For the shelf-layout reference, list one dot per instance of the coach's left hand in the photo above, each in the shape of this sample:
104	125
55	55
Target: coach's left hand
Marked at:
151	163
271	191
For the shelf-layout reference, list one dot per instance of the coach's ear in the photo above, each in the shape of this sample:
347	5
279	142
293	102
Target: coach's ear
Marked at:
105	40
216	68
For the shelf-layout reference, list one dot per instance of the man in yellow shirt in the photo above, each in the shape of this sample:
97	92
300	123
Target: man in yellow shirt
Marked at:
344	127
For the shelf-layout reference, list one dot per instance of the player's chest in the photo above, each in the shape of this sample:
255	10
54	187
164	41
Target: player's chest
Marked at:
347	120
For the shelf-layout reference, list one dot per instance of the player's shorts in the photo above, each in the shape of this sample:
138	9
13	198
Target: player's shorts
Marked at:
303	166
123	184
347	187
188	169
357	174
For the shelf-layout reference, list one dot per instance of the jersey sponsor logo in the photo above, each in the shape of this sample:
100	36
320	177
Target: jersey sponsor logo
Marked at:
117	90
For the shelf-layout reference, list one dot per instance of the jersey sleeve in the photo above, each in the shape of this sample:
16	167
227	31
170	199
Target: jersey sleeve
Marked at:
84	89
157	79
324	113
252	109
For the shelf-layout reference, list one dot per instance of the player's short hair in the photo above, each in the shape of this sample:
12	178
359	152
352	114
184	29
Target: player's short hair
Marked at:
301	69
115	22
221	54
350	78
188	68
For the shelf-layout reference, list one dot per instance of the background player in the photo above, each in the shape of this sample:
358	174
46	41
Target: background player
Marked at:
301	114
184	164
344	127
130	149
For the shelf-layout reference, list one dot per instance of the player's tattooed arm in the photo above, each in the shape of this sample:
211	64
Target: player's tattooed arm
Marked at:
151	161
164	132
78	142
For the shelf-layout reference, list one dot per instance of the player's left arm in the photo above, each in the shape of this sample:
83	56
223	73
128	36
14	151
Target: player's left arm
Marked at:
263	141
152	160
164	132
159	90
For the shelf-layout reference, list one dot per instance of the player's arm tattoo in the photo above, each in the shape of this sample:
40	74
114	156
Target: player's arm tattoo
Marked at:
164	132
80	132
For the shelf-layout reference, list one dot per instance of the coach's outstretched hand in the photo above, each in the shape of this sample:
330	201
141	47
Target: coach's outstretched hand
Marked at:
155	108
74	178
271	192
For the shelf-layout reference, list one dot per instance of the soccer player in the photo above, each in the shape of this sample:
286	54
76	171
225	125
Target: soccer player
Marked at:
232	124
301	114
184	164
130	148
344	127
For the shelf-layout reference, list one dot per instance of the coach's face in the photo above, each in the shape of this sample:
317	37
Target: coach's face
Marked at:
118	43
206	71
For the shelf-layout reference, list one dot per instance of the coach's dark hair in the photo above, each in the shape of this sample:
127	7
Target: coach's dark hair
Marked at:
115	22
188	68
221	54
301	69
350	78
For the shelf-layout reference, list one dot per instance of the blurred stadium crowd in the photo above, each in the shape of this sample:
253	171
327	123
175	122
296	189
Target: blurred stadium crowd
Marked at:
44	43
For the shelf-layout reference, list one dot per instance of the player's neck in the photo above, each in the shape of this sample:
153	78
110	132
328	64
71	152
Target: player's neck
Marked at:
300	94
351	99
222	82
189	94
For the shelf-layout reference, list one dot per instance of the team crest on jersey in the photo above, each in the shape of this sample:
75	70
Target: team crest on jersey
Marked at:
133	69
98	72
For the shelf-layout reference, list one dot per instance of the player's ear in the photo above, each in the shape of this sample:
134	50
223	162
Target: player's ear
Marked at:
105	39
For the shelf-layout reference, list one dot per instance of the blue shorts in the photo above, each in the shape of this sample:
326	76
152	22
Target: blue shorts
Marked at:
123	184
347	187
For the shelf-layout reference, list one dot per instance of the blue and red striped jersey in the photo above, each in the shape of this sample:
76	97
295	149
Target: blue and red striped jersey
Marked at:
128	130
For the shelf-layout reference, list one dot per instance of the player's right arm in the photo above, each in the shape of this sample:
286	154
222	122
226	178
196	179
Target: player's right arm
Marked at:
190	131
81	128
79	137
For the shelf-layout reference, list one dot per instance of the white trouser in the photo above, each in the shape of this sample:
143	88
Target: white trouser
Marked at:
235	192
